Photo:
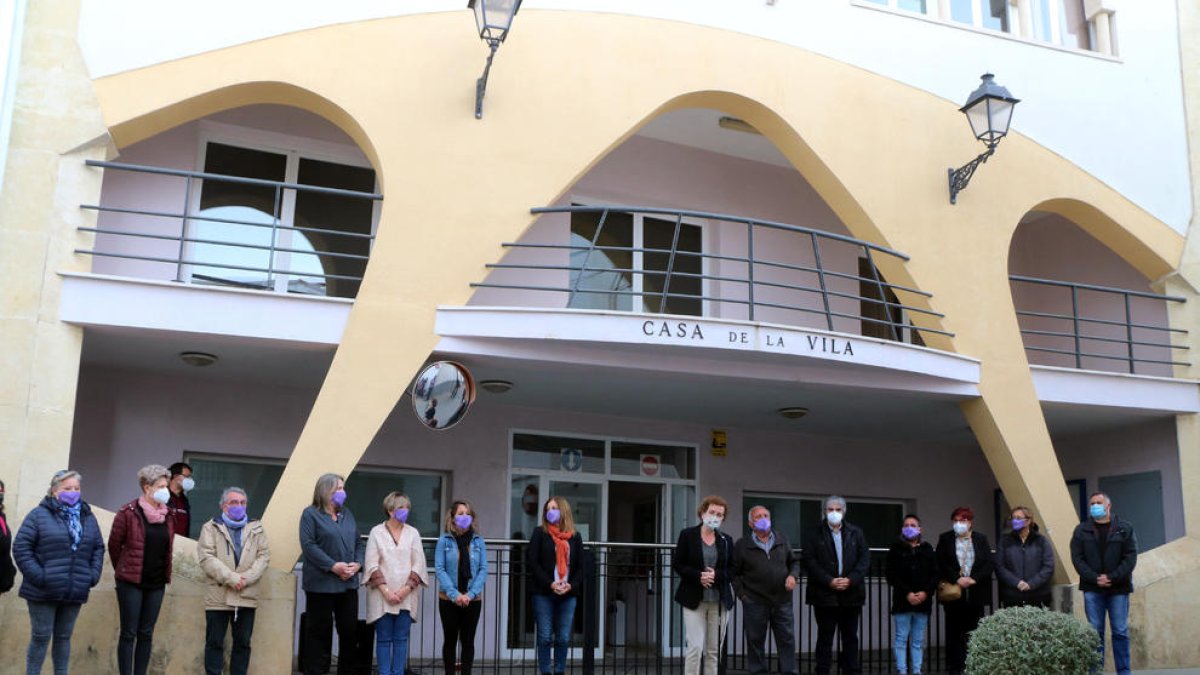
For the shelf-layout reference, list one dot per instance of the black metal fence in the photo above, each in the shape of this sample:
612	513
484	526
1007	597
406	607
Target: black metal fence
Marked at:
626	621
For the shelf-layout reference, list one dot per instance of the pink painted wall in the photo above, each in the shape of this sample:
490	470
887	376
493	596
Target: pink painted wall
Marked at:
1048	246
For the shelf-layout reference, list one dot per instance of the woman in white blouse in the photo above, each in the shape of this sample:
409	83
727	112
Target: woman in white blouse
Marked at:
395	567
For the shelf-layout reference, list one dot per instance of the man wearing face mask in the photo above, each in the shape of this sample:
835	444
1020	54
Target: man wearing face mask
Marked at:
232	551
765	571
836	557
181	484
1104	551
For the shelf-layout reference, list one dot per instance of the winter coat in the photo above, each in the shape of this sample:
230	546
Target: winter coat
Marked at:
688	563
541	560
127	543
1031	561
400	562
181	513
1120	556
214	551
821	563
761	577
51	571
8	571
949	570
445	562
324	542
911	570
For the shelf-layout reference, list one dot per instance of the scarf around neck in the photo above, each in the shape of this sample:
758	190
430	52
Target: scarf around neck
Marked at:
562	549
155	513
71	515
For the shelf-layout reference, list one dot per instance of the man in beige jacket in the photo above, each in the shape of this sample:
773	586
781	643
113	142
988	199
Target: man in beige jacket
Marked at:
233	553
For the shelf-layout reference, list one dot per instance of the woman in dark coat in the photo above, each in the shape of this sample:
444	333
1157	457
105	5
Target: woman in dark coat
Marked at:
555	561
964	558
704	562
60	552
1024	563
913	575
140	546
8	571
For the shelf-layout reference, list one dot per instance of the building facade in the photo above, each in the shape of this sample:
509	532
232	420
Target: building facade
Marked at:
232	236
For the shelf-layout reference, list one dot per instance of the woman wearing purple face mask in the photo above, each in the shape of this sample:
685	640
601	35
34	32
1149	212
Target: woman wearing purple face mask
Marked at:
461	563
912	574
332	553
232	550
60	552
1024	563
395	569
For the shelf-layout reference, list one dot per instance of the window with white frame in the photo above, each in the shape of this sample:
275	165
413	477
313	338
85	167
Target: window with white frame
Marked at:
1059	22
796	515
627	264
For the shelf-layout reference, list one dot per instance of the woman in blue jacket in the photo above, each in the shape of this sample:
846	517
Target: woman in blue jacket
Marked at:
60	552
461	564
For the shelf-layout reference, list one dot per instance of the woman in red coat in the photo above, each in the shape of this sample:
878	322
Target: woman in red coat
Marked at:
140	547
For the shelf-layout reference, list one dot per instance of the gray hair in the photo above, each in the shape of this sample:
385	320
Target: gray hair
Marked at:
833	499
750	513
324	488
229	490
61	477
149	474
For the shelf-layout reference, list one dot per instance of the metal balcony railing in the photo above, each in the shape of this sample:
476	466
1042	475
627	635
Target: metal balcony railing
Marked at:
268	253
1108	332
763	271
627	622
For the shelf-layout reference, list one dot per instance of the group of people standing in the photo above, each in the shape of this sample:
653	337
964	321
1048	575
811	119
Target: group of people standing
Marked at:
762	570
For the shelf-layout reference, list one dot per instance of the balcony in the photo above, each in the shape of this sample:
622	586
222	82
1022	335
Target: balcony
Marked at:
218	229
694	264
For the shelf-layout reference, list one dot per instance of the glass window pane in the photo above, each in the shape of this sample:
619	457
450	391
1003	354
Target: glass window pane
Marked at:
584	499
366	490
962	11
600	271
995	15
879	522
684	285
558	453
643	459
912	5
335	213
212	476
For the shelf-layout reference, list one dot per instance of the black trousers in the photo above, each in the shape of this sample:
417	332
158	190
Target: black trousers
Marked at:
216	623
843	620
459	624
325	610
139	612
962	617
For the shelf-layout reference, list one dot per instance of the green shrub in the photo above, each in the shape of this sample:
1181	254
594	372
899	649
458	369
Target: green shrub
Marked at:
1032	641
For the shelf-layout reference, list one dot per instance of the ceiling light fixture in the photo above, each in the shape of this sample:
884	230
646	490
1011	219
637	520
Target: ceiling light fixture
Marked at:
198	359
496	386
793	412
735	124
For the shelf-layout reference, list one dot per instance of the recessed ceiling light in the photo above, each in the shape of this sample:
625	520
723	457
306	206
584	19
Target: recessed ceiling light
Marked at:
735	124
793	412
198	359
496	386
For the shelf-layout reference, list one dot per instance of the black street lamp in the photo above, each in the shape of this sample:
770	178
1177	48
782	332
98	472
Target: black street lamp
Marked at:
493	18
989	110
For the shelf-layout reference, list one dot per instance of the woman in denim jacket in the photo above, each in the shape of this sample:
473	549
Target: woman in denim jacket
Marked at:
461	564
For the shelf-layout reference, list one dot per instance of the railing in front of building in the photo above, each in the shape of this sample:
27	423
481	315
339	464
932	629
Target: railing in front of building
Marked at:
627	622
250	248
1127	339
785	275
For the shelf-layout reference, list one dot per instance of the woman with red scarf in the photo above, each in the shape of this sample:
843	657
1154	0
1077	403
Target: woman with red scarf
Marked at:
554	558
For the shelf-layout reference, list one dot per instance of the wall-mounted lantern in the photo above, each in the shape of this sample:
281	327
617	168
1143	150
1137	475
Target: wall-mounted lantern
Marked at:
989	110
493	18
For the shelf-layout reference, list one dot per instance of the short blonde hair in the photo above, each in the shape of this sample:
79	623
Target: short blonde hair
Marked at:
396	500
149	474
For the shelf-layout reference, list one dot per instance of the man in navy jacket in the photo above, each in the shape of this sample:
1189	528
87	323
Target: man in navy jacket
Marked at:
836	558
1104	551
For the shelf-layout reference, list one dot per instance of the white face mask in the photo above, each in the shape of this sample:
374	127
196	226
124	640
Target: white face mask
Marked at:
713	522
162	495
187	484
961	527
834	518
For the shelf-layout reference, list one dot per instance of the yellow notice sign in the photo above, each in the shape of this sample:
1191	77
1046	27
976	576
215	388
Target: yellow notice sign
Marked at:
719	448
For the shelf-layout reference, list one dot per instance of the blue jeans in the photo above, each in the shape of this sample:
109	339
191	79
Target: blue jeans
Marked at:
1096	605
391	642
910	626
47	620
554	616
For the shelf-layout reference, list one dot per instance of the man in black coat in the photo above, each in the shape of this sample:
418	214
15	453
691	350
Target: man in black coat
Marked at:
1104	551
765	572
836	558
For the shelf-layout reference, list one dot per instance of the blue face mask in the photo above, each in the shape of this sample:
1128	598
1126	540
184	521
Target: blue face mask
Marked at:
1097	510
763	524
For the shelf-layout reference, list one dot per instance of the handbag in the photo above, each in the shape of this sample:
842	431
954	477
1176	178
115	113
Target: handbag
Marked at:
948	592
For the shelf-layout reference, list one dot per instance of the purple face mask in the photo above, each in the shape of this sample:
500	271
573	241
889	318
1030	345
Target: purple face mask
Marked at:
552	515
910	532
69	497
1019	524
237	512
462	521
339	497
401	515
762	524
